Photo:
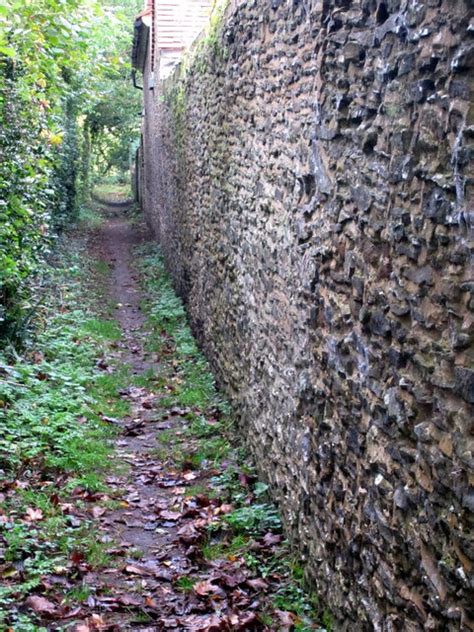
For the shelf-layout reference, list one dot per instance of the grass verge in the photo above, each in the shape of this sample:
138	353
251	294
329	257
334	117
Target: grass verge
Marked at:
55	446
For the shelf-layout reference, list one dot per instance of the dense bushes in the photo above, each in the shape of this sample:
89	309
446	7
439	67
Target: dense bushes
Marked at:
60	62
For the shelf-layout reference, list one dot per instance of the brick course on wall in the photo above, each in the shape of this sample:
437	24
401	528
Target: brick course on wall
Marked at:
307	175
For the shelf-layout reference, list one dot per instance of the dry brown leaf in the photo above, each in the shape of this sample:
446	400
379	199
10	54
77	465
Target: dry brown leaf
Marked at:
206	587
33	515
138	569
170	515
286	618
130	600
98	511
40	605
257	584
272	538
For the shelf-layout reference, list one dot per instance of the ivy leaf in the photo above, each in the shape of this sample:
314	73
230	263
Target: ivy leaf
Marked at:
8	51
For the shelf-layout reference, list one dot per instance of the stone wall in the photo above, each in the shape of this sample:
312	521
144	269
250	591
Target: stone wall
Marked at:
307	175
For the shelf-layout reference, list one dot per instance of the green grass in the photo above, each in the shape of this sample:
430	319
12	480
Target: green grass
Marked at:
103	329
147	379
193	382
53	439
185	583
89	218
167	437
113	190
101	267
79	593
198	489
238	545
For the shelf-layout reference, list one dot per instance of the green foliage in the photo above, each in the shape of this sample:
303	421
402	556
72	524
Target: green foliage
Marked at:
254	518
185	583
42	400
175	98
105	329
194	383
53	439
211	44
207	49
63	63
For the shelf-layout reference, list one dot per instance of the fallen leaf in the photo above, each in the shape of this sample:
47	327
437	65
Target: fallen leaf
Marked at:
286	618
202	500
257	583
98	511
8	571
130	600
150	602
33	515
38	357
246	479
189	534
203	623
206	587
243	622
40	605
138	569
77	557
178	491
233	579
272	538
72	613
170	515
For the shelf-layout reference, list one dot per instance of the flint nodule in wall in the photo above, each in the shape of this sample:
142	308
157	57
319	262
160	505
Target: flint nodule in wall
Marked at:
309	176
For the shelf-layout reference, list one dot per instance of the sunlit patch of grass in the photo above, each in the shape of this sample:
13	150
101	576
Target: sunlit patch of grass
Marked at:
114	191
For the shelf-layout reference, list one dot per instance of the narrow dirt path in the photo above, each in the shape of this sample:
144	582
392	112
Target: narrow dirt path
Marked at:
158	524
145	528
188	552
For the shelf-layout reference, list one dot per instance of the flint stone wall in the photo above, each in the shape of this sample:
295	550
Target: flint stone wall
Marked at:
308	178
